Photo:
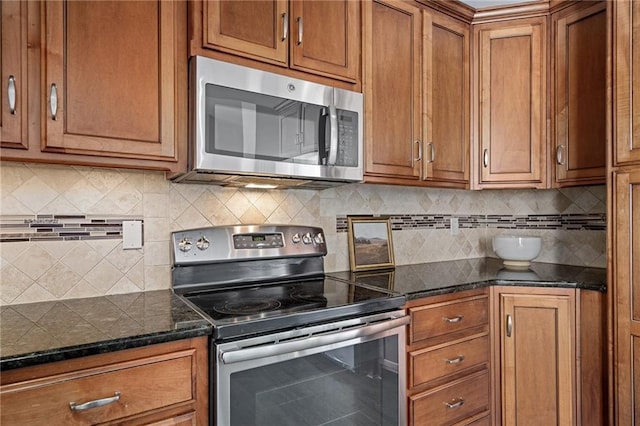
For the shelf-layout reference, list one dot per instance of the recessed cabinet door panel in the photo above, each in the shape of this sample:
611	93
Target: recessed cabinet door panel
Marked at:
392	89
627	83
580	95
627	283
325	37
111	76
13	63
512	105
446	98
249	28
537	359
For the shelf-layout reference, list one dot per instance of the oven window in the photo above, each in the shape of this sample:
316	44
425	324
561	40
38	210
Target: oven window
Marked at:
352	385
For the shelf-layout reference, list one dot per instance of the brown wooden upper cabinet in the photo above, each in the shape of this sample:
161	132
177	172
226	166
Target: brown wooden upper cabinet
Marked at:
13	62
446	46
393	86
580	48
510	96
626	91
107	87
416	81
319	37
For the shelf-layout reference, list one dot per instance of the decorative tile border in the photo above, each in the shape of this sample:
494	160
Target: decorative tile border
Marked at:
60	227
578	222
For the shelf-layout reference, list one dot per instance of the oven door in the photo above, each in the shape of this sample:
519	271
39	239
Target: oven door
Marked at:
349	373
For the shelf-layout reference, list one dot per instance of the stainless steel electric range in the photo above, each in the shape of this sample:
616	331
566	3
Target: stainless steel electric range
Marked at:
291	345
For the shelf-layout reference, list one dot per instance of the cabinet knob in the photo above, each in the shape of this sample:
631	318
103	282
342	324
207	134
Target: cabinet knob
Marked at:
94	404
419	143
560	154
53	101
11	94
455	319
455	403
299	21
285	26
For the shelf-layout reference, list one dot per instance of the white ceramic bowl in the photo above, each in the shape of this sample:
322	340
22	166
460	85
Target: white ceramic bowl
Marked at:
517	252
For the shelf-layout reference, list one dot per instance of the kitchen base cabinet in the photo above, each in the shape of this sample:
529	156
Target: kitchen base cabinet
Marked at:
548	358
448	359
164	384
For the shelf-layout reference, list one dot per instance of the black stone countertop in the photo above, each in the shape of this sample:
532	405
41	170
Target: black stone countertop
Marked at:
432	279
38	333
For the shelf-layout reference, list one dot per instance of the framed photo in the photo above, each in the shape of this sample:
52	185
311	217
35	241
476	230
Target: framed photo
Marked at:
370	245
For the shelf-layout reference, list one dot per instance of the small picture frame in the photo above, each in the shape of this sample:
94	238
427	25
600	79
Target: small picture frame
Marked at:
370	244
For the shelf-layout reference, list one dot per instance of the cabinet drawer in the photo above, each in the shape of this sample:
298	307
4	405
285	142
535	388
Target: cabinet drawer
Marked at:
433	363
438	319
143	385
451	403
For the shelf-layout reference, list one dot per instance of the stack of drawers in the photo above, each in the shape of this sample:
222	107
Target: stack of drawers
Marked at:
448	360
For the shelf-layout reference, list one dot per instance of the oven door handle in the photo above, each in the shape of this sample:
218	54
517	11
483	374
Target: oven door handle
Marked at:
302	344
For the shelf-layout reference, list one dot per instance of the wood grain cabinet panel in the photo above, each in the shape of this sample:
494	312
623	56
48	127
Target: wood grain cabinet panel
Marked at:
107	83
318	37
580	94
13	63
449	359
392	89
118	99
446	100
451	403
510	63
448	317
626	93
627	288
162	384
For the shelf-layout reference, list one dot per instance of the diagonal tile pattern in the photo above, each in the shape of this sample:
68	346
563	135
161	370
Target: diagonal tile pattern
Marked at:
48	270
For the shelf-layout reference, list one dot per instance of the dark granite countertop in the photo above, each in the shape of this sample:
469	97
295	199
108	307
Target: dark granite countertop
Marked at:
38	333
432	279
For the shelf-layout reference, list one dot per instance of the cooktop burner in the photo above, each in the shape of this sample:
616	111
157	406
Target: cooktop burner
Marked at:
247	307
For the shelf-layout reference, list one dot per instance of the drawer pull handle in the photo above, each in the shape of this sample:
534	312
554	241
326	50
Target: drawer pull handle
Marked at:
11	94
94	404
53	101
456	404
457	360
453	320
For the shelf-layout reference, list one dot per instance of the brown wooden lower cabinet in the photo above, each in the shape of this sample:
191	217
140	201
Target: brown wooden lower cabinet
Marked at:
448	359
548	356
164	384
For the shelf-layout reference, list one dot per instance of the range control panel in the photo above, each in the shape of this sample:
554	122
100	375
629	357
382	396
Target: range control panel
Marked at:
244	242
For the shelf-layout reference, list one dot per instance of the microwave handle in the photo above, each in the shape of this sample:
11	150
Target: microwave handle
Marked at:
322	137
333	142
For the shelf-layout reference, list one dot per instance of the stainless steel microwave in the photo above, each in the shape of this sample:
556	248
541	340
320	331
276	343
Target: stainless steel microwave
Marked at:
258	128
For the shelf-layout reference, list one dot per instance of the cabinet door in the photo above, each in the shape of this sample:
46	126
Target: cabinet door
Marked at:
392	89
113	74
626	93
325	37
538	357
511	67
627	287
257	29
13	63
446	99
580	95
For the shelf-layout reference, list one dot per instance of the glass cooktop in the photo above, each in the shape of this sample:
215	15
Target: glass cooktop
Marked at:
259	309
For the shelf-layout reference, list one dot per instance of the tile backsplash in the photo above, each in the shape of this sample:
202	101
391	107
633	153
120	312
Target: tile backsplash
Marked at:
52	266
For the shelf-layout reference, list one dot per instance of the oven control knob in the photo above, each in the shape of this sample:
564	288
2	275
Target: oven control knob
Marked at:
185	244
306	238
203	243
295	239
318	238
